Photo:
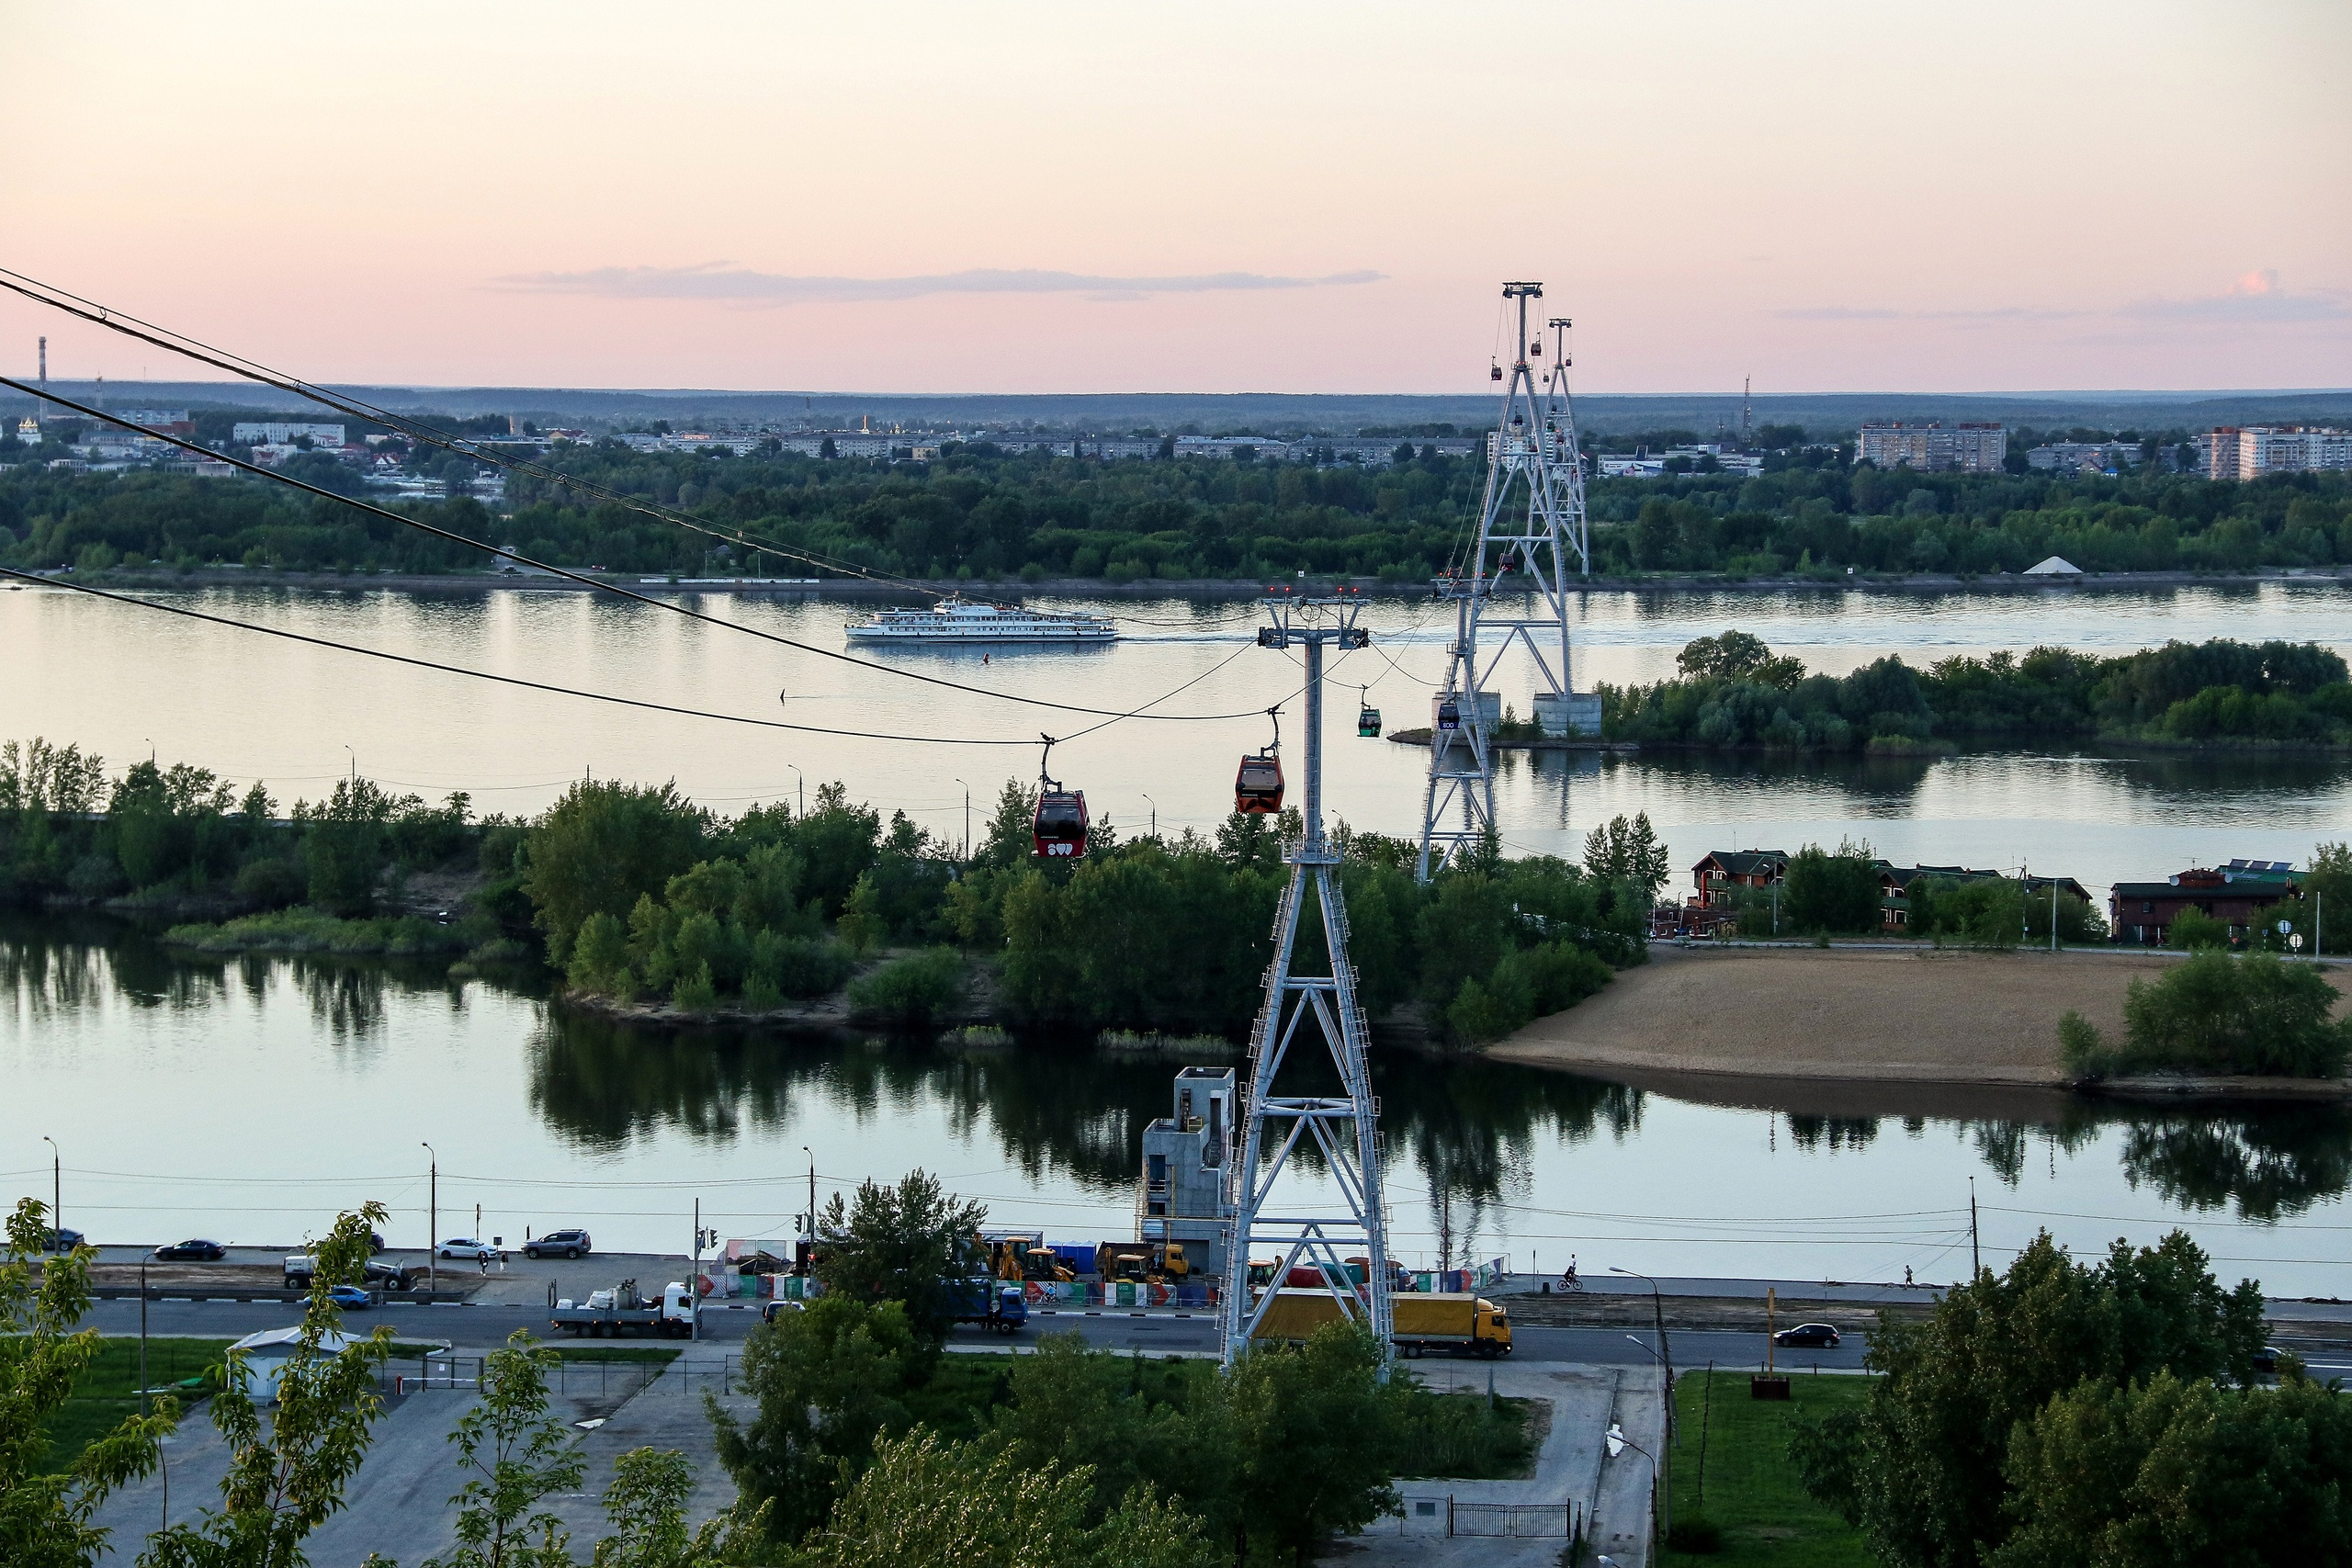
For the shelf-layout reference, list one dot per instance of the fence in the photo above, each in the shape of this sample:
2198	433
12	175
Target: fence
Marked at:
1448	1516
582	1377
1042	1293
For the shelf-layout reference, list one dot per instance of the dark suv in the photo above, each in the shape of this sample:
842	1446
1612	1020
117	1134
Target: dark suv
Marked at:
558	1244
378	1276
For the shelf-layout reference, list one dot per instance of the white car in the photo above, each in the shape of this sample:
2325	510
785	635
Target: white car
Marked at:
467	1248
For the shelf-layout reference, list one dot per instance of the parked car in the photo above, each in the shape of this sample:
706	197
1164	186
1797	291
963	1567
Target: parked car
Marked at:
2265	1359
64	1239
1806	1334
350	1298
558	1244
191	1252
470	1249
378	1277
770	1311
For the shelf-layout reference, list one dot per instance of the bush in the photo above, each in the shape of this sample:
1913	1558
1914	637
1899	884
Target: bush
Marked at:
273	883
2219	1014
1832	891
694	992
908	993
2193	928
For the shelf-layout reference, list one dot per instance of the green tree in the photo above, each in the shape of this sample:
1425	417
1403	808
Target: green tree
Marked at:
601	848
2194	929
1629	851
645	1515
901	1244
1317	1437
514	1455
1919	1468
927	1503
45	1515
1832	891
2254	1014
343	846
288	1475
829	1380
2176	1473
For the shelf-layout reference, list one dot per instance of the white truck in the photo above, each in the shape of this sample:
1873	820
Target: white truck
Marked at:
607	1315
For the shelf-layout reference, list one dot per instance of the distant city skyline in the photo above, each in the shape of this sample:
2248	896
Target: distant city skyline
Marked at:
1832	198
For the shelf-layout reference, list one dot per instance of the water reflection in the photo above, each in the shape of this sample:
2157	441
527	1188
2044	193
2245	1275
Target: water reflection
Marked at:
1472	1148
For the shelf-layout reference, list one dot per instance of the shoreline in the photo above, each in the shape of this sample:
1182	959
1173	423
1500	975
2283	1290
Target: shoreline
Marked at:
1749	1024
1182	588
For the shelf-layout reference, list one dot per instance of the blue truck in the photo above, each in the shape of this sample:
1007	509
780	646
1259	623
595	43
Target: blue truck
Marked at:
993	1304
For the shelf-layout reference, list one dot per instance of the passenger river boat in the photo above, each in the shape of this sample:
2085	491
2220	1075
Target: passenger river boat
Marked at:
959	619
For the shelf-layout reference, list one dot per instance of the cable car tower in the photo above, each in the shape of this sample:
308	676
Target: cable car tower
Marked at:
1343	1127
1531	533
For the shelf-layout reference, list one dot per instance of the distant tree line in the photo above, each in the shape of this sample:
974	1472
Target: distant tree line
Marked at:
1734	691
980	512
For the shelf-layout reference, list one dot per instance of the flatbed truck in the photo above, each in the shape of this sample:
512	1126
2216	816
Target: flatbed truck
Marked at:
607	1315
1454	1322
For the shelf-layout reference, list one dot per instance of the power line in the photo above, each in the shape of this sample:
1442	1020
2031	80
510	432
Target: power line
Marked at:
513	679
628	594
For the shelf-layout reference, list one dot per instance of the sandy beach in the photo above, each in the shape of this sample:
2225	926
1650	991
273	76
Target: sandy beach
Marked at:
1874	1016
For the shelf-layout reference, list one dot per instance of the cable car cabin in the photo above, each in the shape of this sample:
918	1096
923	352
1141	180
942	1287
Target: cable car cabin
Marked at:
1368	721
1449	714
1059	831
1258	788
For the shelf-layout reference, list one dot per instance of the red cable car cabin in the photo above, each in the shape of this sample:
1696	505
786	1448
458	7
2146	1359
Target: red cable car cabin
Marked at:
1258	788
1059	831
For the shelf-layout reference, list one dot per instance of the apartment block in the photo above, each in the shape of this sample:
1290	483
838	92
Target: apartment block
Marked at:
2233	451
1969	447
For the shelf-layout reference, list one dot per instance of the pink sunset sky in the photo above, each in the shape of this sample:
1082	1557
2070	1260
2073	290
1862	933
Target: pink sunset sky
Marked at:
1298	198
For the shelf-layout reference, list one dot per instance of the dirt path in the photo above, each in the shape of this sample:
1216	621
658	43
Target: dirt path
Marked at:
1887	1016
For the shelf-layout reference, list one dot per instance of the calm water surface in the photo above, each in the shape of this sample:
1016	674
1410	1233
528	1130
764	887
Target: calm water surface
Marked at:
245	1099
126	681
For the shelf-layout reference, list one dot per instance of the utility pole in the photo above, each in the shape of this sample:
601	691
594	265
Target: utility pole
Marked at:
432	1221
1344	1126
1155	815
56	1183
1975	1255
967	822
2053	914
812	1198
693	1277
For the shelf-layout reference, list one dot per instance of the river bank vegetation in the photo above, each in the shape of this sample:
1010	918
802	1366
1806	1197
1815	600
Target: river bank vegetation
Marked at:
1733	690
976	511
636	895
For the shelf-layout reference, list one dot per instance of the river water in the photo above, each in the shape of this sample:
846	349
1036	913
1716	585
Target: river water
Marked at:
244	1099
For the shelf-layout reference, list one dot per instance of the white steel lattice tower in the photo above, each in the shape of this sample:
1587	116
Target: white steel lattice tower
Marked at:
1531	534
1343	1127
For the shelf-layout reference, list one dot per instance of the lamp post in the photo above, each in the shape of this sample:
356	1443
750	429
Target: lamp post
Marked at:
56	1193
812	1197
432	1221
1618	1443
967	822
1155	816
354	765
803	784
1664	1351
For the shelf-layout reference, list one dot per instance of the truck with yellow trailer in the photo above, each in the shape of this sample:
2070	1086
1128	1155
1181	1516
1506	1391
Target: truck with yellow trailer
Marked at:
1454	1322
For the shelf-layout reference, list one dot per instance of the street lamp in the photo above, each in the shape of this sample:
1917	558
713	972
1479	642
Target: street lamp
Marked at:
967	821
1666	1351
56	1194
354	765
432	1221
1618	1443
803	784
1155	816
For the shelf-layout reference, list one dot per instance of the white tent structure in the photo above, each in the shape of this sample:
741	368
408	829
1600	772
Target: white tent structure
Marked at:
268	1351
2056	566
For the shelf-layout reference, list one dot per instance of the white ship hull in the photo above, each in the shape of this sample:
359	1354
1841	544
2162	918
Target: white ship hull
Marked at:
960	621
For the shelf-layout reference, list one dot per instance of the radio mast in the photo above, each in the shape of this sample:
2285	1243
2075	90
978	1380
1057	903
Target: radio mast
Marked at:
1343	1126
1531	528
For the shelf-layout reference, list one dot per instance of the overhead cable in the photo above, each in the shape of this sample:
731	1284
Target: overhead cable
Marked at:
601	585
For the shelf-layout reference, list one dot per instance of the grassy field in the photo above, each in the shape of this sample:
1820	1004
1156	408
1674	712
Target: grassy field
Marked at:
1752	1493
107	1389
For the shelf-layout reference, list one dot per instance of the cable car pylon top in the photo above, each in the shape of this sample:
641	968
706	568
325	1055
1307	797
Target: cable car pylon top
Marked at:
1319	1234
1531	532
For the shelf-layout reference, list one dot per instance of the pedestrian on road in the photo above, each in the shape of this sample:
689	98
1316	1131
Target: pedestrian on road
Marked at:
1907	1276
